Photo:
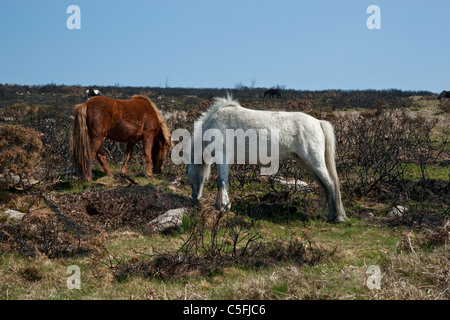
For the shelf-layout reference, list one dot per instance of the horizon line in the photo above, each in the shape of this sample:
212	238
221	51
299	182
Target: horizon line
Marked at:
211	88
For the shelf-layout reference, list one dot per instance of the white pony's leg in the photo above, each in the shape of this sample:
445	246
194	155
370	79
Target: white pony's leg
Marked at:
196	174
205	171
222	200
327	185
316	166
319	160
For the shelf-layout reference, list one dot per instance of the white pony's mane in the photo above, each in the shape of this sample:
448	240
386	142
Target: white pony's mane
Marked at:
219	103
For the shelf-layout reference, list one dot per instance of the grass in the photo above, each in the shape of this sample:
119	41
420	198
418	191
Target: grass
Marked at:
413	172
357	245
352	247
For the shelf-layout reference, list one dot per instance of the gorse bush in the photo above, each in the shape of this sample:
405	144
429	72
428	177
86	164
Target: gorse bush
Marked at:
19	151
444	105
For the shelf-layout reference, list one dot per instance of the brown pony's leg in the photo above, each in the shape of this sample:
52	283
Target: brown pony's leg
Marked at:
128	152
101	157
95	146
148	143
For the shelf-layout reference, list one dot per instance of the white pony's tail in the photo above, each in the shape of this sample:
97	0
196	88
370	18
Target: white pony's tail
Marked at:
330	150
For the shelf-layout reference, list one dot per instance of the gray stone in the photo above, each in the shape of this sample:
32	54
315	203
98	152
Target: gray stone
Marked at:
11	180
170	219
367	215
15	215
298	183
397	211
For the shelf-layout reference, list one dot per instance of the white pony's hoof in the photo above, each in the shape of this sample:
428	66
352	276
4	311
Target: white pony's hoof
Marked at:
340	220
224	208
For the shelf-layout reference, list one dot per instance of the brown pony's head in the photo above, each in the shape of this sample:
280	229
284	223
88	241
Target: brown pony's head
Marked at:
161	146
162	143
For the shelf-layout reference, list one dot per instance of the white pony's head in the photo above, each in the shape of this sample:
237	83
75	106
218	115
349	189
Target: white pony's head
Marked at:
199	173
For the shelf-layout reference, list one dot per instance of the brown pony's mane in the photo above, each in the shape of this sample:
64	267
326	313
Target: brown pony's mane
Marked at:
164	129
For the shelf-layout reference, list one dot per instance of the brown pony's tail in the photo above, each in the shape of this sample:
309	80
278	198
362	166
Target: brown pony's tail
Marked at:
81	141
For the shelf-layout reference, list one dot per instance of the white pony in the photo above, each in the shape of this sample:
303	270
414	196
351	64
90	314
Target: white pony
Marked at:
308	140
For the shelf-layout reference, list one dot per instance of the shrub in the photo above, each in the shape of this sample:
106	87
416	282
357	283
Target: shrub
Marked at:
444	105
375	148
19	152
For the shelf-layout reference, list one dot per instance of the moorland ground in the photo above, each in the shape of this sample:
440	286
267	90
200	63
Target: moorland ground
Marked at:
275	243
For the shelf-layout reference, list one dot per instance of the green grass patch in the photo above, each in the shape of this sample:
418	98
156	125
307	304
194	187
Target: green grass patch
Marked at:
414	172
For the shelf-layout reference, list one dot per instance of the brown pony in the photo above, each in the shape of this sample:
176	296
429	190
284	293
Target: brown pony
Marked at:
130	121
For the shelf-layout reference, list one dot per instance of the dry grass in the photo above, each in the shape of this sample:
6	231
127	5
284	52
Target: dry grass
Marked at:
413	266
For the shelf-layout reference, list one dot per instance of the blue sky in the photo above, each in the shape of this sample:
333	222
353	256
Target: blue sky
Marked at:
305	45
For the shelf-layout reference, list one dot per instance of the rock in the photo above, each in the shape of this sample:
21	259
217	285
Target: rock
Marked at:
397	211
170	219
367	215
13	214
167	115
12	180
293	183
177	181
